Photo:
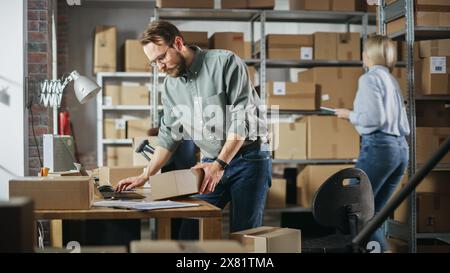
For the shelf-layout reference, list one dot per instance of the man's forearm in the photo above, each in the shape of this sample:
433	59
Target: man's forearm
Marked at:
160	157
232	145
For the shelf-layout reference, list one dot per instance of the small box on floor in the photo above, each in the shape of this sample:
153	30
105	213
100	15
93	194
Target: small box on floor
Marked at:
269	240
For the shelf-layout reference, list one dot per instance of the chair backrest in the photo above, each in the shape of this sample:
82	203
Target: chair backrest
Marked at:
336	205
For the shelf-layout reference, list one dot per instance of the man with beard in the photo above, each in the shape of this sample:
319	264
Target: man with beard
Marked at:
209	98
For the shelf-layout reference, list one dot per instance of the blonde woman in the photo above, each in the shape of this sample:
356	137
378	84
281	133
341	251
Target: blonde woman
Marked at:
380	118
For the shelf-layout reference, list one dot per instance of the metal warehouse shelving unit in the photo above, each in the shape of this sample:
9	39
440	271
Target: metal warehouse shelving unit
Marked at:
411	33
262	63
101	78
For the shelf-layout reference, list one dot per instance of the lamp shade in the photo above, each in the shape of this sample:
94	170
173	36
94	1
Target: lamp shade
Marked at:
84	87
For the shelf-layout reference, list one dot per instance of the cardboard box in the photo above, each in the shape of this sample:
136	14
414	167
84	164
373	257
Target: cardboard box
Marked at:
133	93
197	4
289	46
331	138
67	192
269	240
105	47
432	213
311	178
431	48
18	226
435	182
348	5
138	159
166	246
135	58
111	95
119	156
198	38
233	4
289	140
276	197
428	140
435	75
402	51
348	46
114	128
233	41
325	45
260	4
401	75
112	175
137	127
293	95
176	183
310	4
422	18
338	85
432	113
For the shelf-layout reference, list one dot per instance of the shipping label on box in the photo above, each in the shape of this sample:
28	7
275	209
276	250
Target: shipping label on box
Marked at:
306	53
279	88
438	65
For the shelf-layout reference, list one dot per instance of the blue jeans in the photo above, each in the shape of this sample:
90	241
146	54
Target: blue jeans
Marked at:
245	183
384	159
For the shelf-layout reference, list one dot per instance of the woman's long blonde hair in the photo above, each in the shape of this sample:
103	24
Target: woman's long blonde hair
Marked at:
381	51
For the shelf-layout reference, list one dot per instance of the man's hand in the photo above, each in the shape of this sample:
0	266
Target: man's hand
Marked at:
213	174
342	113
131	182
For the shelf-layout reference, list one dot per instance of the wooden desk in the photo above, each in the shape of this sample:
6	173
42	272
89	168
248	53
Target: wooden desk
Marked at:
210	218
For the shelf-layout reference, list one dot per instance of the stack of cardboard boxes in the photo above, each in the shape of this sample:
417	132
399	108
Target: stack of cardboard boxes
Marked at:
427	13
328	5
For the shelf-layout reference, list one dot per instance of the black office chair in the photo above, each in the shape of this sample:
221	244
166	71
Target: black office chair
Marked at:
347	208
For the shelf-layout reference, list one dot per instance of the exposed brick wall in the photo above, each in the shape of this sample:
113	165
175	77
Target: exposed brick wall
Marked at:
39	68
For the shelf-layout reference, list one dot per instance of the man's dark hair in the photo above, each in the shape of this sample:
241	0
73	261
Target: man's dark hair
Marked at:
159	32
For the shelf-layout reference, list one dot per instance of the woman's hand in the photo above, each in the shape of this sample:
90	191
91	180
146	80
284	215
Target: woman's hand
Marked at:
131	182
342	113
213	174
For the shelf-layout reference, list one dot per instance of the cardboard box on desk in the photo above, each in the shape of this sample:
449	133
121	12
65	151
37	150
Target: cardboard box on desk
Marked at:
138	159
166	246
311	178
176	183
54	192
112	175
105	43
269	240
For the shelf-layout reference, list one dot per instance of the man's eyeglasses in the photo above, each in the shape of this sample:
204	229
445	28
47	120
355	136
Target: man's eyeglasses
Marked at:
160	58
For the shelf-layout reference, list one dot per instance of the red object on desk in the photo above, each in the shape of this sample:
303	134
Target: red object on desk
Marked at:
64	124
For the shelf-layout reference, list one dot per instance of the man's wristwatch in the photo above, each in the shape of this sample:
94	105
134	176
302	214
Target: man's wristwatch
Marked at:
222	163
